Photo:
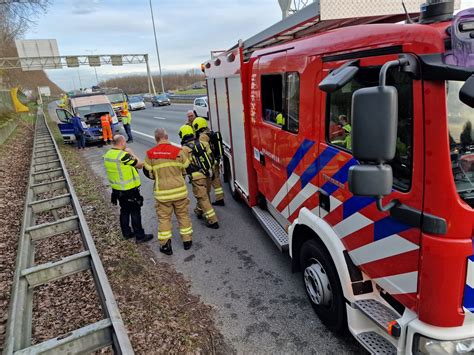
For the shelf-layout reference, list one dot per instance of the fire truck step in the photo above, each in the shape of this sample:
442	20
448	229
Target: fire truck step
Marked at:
376	344
271	226
383	316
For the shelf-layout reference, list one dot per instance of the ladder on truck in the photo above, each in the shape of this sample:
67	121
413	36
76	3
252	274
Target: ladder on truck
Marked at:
310	20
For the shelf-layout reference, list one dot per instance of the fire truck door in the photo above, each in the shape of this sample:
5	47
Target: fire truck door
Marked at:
271	140
384	247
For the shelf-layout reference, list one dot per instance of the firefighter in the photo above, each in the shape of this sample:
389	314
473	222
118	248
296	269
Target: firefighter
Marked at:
214	139
200	156
347	128
166	164
106	122
121	166
127	120
191	116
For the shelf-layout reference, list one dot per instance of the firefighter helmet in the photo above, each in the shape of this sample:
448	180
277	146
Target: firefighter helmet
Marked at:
186	130
199	123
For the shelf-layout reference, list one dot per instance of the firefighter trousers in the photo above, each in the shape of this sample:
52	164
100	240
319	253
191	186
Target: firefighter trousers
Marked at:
164	211
106	133
203	204
216	182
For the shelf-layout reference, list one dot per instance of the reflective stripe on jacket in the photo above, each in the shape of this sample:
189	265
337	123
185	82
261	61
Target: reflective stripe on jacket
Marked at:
166	163
121	171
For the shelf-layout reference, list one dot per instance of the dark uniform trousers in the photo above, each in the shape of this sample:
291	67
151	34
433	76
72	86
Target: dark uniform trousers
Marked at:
131	203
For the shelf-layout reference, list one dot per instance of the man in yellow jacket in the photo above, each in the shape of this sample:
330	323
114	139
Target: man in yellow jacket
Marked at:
166	164
121	166
198	170
126	121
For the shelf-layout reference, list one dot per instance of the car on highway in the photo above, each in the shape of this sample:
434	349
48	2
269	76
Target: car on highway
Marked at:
136	103
147	97
160	100
200	107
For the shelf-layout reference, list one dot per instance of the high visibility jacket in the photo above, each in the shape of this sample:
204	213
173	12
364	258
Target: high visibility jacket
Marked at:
127	119
187	150
166	164
280	120
121	171
348	138
105	120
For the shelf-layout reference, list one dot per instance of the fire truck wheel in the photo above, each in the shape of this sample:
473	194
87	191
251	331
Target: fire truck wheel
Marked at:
323	286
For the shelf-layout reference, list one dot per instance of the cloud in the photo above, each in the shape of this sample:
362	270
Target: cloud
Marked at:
84	7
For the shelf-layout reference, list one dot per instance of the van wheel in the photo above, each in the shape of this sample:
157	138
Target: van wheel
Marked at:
195	114
323	286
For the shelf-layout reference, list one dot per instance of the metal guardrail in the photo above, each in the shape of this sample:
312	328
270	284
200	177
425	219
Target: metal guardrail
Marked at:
187	98
48	173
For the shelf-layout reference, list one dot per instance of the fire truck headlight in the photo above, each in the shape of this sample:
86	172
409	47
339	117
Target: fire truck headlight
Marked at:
424	345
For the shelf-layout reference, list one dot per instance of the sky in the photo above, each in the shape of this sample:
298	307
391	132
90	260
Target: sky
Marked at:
187	31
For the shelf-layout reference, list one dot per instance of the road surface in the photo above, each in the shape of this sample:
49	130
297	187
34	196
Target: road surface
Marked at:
260	305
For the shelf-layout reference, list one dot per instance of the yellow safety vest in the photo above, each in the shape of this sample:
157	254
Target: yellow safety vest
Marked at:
127	119
121	174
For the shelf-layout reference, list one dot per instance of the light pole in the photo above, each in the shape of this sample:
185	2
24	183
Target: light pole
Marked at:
156	45
95	69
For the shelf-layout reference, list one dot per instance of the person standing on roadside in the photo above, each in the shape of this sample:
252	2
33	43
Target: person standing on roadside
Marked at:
127	120
121	166
106	122
166	164
201	163
214	139
79	132
191	116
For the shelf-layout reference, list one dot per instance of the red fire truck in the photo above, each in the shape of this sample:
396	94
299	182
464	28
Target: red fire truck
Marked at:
351	140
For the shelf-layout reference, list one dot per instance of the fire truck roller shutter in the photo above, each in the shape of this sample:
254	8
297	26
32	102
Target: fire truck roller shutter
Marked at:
223	110
211	89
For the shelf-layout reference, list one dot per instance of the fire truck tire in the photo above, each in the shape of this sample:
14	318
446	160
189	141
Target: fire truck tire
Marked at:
323	286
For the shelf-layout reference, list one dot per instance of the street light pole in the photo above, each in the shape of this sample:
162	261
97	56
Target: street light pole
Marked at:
156	45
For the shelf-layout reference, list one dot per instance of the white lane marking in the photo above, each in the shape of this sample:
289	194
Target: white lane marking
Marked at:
152	137
352	224
287	186
159	118
381	249
399	284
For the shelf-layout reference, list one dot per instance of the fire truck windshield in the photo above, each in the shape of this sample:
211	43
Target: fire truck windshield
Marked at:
461	140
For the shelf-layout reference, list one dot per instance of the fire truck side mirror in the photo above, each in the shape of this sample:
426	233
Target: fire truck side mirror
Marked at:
466	95
374	123
374	137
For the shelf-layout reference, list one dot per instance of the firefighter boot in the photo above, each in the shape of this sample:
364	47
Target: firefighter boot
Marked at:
218	203
187	245
214	225
166	248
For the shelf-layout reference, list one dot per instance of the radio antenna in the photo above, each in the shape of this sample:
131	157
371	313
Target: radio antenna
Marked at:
409	20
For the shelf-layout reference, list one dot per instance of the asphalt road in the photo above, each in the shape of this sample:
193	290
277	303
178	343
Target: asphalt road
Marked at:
260	305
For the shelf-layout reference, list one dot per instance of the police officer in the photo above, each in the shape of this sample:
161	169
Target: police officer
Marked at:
198	174
121	166
166	164
204	134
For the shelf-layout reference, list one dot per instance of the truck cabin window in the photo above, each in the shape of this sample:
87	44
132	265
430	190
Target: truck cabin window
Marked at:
461	142
339	120
281	100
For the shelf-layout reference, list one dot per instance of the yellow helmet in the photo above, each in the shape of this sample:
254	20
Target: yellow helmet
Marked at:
199	123
185	130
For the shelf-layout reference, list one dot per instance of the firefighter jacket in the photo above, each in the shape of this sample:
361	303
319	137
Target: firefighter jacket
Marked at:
194	169
166	164
127	119
121	171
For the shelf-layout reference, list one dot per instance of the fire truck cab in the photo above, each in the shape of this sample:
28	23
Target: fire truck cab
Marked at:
352	142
